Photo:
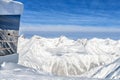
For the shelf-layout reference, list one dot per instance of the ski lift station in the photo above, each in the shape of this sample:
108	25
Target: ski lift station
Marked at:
10	12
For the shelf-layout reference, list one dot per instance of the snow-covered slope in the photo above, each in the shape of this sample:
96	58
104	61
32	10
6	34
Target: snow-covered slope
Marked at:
12	71
66	57
10	7
111	71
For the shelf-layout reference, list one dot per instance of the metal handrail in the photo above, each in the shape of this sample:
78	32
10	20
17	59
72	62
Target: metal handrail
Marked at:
7	41
4	48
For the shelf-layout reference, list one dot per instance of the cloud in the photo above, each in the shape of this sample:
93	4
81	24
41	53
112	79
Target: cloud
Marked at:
68	28
7	0
87	18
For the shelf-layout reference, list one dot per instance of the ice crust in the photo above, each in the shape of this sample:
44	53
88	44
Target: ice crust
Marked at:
65	57
10	7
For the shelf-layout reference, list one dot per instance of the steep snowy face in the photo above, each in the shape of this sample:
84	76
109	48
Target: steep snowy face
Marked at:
66	57
111	71
10	7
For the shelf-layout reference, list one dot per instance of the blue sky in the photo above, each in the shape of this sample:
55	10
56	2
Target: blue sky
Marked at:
71	15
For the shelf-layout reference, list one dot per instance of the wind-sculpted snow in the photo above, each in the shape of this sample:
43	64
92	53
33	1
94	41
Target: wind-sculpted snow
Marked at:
66	57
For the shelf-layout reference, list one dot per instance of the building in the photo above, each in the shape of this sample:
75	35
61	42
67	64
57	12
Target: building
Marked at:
10	12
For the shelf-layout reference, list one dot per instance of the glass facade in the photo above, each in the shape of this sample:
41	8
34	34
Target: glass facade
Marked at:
9	33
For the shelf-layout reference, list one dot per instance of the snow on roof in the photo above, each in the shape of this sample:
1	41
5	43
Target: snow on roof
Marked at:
10	7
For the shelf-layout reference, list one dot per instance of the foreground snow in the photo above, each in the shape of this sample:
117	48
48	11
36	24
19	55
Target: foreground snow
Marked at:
12	71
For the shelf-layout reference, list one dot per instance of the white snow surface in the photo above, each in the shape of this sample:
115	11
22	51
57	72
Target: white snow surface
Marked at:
12	71
65	57
10	7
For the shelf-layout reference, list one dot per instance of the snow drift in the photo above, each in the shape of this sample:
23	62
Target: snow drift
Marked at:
66	57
